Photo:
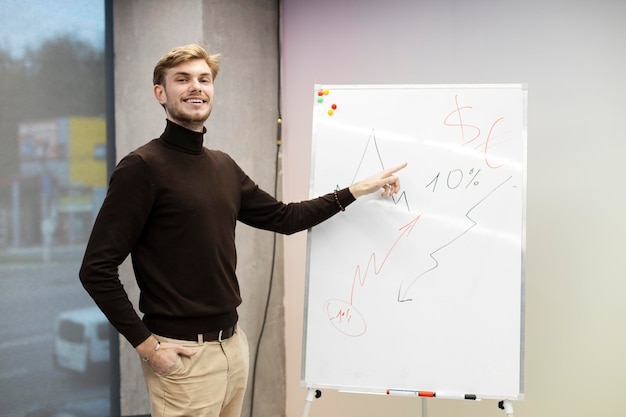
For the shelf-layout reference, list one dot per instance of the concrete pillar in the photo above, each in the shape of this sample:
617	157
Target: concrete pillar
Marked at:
243	124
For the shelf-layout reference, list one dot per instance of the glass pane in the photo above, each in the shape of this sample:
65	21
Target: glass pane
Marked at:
54	344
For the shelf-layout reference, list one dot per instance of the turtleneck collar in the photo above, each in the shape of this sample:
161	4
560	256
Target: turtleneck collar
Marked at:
182	139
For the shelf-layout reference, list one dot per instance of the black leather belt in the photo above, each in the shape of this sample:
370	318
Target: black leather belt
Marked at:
214	336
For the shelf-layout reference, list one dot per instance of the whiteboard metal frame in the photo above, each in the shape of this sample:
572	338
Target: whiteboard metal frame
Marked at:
521	86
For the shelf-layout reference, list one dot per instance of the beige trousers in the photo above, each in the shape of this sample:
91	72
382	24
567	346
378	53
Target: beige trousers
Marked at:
212	383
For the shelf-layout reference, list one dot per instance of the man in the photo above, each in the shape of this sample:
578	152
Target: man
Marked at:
173	206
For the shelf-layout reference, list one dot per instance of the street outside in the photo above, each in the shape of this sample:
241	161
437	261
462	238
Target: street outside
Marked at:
33	294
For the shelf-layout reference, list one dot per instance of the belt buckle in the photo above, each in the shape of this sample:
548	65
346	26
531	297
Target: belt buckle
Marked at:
219	336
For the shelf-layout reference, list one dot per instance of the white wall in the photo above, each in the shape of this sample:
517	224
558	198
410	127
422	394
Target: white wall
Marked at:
572	55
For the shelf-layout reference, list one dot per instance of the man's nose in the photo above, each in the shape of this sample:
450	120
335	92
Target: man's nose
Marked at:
196	85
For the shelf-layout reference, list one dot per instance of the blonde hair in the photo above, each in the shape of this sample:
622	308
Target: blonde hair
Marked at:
183	54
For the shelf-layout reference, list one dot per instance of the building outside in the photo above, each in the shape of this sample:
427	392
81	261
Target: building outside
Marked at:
51	203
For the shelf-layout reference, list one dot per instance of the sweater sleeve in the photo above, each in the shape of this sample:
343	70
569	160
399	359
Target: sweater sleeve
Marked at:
259	209
116	230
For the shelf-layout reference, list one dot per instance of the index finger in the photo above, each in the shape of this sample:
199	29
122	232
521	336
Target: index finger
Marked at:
396	168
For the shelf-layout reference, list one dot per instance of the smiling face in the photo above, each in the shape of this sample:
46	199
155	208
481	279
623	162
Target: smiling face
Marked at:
186	93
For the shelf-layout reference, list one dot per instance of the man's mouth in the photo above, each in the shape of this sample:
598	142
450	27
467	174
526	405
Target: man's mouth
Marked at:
194	101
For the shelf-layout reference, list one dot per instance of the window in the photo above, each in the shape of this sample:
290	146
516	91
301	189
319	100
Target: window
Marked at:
52	176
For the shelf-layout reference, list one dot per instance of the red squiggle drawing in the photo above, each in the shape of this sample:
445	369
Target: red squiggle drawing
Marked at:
484	146
462	125
343	315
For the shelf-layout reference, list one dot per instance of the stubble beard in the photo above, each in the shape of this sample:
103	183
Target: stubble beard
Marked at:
188	120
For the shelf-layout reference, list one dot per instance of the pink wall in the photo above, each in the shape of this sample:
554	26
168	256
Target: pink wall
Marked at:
573	59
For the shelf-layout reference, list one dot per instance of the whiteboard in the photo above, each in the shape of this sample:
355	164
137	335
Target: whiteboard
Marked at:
423	291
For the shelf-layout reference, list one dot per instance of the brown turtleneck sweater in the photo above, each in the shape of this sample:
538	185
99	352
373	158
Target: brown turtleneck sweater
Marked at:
173	206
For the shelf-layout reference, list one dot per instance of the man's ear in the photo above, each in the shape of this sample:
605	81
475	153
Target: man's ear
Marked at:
159	93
